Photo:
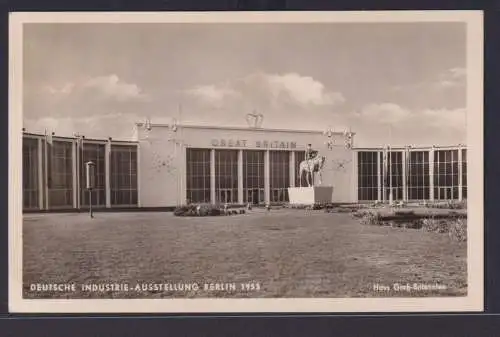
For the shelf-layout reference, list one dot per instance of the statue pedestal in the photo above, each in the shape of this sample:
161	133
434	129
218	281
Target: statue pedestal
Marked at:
310	195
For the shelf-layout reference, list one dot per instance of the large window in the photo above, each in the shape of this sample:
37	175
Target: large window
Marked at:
60	174
279	162
30	173
198	175
299	157
367	175
392	169
253	176
226	176
123	175
94	153
464	173
418	175
446	174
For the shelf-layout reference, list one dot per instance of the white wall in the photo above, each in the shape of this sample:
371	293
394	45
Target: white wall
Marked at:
161	165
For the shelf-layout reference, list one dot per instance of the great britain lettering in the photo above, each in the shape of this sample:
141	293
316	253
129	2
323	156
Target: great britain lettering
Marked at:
241	143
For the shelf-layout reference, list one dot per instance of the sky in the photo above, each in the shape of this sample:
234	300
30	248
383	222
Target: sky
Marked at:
397	83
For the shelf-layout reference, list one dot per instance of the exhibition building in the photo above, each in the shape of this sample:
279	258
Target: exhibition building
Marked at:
170	164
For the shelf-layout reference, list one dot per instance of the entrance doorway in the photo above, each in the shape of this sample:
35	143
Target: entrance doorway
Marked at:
256	196
225	195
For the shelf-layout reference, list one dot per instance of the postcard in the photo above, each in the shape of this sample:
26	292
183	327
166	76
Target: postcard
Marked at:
246	162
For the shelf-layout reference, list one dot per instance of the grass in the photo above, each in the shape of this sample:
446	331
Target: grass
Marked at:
290	253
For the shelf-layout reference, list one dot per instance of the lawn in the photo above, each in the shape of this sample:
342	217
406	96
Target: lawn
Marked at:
288	253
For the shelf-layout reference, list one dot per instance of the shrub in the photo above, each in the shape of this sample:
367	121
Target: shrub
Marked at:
451	204
430	225
369	218
458	229
214	211
181	210
204	210
455	227
197	210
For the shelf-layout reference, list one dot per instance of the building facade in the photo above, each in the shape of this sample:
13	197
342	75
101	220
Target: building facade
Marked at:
412	173
209	164
54	173
169	165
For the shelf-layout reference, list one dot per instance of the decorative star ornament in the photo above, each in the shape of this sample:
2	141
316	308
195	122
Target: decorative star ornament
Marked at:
340	165
160	163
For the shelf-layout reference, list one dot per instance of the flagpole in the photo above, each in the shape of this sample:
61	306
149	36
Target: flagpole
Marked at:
391	196
80	167
46	173
407	171
180	173
384	172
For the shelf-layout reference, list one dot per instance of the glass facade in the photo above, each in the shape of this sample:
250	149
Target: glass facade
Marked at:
95	153
393	175
253	177
49	168
198	175
446	174
30	173
418	175
123	175
60	174
226	176
368	175
279	162
464	174
299	158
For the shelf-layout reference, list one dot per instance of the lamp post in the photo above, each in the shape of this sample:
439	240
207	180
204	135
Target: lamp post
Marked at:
90	182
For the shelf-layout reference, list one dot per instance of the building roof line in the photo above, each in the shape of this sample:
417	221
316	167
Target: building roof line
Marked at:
67	138
412	148
240	128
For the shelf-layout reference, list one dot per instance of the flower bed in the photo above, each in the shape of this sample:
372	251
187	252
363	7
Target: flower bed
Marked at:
454	225
205	210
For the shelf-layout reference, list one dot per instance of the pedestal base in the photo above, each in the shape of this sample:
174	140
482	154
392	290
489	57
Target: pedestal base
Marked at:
310	195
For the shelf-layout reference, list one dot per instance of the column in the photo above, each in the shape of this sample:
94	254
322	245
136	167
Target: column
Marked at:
107	171
267	176
379	176
431	174
460	183
384	174
74	173
405	188
212	176
46	173
40	174
182	194
292	168
138	156
240	177
78	173
354	184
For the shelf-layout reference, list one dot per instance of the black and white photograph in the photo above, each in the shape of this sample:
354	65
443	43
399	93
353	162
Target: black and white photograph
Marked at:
246	162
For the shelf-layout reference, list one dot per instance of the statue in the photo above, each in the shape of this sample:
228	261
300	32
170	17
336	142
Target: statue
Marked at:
313	163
